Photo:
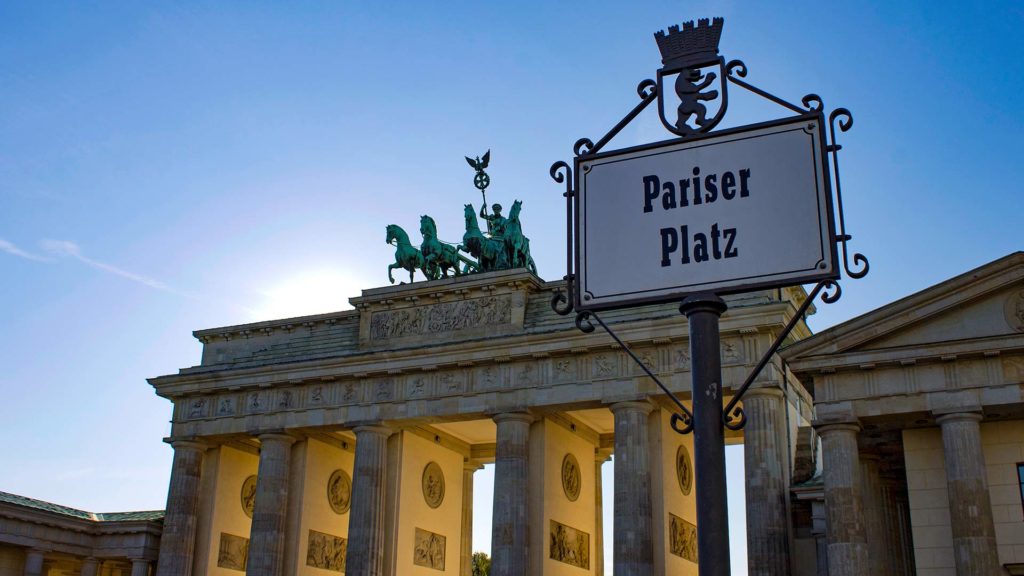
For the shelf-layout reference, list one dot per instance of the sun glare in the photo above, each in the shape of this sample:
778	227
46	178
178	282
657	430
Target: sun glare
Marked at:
306	293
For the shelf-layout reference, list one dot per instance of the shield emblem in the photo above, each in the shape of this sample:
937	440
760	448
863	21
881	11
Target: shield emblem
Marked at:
690	61
697	99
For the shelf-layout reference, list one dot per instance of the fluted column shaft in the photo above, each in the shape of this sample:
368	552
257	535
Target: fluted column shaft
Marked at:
365	555
970	508
510	548
844	507
267	537
90	566
178	539
600	457
140	567
466	541
633	536
766	486
880	546
34	562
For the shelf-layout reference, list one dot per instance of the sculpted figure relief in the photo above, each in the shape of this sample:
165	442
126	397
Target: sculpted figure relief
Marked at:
249	495
569	545
571	477
684	470
429	550
433	485
339	491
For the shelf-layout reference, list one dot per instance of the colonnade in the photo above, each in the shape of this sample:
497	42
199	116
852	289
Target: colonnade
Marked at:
861	524
514	490
35	564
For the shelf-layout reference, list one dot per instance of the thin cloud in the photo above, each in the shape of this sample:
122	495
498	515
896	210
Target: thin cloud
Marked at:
65	248
14	250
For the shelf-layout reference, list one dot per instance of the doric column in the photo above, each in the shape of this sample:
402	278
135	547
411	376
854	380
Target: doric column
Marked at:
880	547
600	457
844	508
764	454
469	467
90	566
633	536
267	537
140	567
366	518
970	510
34	562
510	548
178	539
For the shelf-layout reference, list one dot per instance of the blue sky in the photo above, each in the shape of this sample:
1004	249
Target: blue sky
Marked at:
166	167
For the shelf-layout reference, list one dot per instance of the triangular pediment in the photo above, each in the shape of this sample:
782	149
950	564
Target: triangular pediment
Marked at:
982	306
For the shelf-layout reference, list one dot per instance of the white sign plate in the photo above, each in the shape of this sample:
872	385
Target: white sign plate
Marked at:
740	210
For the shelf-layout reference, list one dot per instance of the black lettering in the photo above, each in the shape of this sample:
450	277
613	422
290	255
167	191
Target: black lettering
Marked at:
744	176
700	247
669	244
728	185
684	188
696	186
651	186
715	236
709	185
730	236
685	233
668	199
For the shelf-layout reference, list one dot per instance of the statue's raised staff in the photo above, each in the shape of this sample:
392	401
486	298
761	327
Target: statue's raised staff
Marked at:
489	252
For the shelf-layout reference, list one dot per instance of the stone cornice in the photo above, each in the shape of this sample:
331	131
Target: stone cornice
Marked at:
908	355
909	310
636	332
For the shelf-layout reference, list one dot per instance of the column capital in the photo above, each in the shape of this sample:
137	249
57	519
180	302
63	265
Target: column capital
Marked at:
632	405
764	390
469	465
824	428
276	435
961	416
372	428
601	455
513	416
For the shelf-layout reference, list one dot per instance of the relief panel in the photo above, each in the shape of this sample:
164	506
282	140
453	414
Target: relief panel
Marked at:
683	538
569	545
429	550
234	552
326	551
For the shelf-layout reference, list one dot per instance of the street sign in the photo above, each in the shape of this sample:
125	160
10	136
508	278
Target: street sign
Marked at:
739	210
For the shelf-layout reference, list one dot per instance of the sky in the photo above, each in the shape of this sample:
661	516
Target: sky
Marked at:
167	167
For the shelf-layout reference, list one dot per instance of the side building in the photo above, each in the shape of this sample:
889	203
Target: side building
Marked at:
920	411
43	539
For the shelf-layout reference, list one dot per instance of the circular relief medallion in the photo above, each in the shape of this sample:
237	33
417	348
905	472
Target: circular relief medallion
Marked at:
571	477
684	470
339	491
249	495
433	485
1015	311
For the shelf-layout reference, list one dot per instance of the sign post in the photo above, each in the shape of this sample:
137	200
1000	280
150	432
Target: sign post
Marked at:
703	312
699	216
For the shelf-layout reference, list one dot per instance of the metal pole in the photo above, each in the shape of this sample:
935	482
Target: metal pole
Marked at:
703	312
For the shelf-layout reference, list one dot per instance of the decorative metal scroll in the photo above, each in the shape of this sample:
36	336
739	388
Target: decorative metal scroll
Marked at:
700	77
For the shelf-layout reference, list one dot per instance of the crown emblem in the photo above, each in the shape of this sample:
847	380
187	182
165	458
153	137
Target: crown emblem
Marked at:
693	45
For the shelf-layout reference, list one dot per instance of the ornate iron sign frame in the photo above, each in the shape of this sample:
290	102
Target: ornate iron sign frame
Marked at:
839	120
689	53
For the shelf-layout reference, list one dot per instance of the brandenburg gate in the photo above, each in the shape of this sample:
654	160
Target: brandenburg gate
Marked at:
347	442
